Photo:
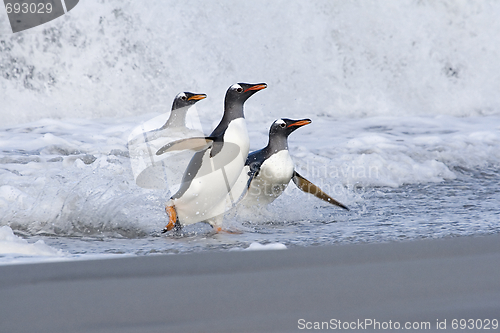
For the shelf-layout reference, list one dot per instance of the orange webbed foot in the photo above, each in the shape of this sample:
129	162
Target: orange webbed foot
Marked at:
172	219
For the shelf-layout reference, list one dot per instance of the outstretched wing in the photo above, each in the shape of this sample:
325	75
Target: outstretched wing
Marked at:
308	187
196	144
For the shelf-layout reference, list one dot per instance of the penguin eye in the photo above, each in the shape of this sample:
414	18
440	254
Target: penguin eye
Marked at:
240	89
283	125
184	98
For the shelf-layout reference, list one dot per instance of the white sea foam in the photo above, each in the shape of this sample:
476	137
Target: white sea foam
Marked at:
333	58
389	151
271	246
12	244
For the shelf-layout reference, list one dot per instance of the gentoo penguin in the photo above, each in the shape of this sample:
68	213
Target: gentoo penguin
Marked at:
151	170
268	171
214	169
176	123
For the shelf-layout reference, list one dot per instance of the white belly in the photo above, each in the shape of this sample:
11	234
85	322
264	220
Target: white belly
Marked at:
205	197
273	178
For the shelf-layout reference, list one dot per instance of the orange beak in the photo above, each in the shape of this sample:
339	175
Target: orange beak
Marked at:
257	87
300	123
197	97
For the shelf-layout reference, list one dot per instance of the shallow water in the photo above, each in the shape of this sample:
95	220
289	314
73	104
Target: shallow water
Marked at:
462	207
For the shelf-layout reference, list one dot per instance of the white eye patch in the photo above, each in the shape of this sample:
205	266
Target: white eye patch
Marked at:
236	86
279	122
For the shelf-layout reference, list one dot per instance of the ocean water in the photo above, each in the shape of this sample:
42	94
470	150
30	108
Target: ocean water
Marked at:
403	96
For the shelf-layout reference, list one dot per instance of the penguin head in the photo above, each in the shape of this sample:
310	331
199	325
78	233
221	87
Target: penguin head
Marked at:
186	99
284	127
240	92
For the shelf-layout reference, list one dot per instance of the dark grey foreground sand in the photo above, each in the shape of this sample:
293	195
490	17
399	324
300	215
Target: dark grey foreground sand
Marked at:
260	291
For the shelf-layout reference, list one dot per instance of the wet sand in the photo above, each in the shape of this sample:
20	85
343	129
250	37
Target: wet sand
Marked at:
259	291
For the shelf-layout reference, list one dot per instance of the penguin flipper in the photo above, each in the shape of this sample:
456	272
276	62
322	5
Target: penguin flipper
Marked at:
308	187
251	175
196	144
253	171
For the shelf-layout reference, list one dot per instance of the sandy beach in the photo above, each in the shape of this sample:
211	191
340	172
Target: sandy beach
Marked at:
417	282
